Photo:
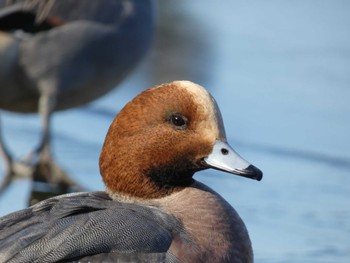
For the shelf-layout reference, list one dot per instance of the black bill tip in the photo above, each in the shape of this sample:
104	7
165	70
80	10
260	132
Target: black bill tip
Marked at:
252	172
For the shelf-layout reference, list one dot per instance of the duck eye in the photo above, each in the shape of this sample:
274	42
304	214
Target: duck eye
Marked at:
178	120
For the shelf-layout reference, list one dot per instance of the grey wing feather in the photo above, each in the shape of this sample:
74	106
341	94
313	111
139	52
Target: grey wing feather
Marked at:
39	8
104	11
77	225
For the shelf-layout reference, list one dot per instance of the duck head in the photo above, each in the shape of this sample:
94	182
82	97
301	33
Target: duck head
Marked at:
161	138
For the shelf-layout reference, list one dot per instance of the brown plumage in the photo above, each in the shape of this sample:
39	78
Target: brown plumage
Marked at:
147	141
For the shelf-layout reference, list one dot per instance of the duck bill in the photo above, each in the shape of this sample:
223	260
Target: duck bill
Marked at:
224	158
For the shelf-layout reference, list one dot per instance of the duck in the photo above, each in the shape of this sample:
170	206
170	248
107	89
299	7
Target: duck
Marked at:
59	54
152	209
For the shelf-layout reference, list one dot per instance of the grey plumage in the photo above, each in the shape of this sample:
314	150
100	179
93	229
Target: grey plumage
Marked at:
102	229
80	48
58	54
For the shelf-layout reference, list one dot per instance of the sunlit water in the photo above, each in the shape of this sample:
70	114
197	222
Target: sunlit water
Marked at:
280	71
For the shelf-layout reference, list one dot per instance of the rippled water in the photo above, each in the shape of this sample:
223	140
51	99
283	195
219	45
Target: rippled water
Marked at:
280	71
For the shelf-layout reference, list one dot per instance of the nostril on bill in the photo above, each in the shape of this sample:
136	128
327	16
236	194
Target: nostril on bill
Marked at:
224	151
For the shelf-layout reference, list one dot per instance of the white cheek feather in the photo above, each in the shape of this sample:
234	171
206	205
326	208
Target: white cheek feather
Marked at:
201	96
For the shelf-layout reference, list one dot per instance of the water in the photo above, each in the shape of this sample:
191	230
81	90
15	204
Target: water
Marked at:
280	71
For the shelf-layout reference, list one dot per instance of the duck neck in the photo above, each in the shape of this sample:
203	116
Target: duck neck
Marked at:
137	179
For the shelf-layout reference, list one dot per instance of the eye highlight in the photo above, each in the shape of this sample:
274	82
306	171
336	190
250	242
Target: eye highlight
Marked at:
178	120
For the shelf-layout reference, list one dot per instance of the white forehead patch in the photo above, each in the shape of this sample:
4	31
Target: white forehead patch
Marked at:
203	97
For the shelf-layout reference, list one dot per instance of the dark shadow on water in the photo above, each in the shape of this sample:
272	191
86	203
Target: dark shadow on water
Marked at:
99	111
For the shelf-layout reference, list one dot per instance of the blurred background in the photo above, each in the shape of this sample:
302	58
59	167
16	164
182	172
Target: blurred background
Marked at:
280	72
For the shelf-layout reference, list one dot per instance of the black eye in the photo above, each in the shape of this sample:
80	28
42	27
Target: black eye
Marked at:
178	120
